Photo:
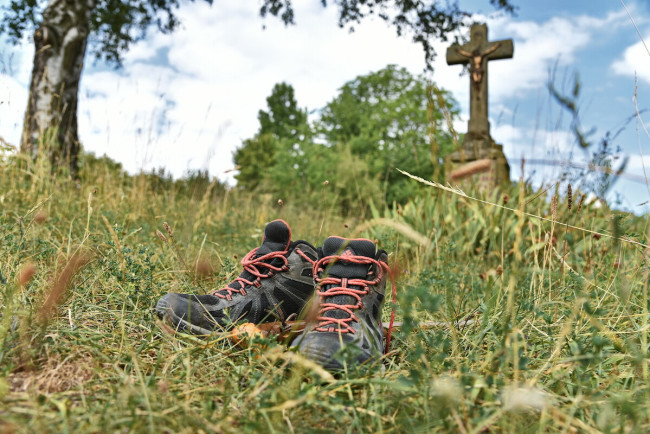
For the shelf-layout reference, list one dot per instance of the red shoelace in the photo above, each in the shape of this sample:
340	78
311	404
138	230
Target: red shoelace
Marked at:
251	264
342	286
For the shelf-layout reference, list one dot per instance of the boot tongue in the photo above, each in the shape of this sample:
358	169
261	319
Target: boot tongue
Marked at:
277	237
344	269
342	247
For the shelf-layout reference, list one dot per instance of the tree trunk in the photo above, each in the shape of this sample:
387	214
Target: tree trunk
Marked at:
60	46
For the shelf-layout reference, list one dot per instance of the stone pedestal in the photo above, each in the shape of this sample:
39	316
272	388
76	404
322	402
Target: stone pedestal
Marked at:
496	174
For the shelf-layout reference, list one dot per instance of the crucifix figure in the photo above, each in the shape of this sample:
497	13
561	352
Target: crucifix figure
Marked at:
477	52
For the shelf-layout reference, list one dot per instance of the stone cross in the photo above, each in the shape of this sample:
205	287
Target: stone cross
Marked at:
477	52
479	149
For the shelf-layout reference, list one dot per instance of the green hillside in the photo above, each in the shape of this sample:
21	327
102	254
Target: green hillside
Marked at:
520	310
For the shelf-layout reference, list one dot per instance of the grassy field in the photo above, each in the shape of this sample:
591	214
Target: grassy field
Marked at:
532	318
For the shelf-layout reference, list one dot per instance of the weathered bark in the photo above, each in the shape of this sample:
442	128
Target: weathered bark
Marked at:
60	47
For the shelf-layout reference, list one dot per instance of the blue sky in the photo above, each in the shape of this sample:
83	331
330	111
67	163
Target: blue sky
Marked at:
187	100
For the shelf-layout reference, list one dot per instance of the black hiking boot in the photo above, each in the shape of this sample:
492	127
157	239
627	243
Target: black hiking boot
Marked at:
351	280
276	282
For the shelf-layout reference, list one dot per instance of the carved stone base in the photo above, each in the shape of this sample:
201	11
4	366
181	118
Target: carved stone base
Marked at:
487	176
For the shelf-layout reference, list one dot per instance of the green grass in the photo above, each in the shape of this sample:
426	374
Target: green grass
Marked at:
553	333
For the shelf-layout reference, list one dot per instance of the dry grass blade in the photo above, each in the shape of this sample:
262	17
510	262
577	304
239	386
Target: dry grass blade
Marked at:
118	246
172	243
402	228
55	377
33	209
299	360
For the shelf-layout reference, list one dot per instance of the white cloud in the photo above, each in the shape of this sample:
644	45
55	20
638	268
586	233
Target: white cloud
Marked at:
13	98
14	78
637	165
507	134
539	46
634	62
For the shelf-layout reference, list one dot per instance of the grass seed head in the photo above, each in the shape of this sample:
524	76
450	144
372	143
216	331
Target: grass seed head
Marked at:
203	268
25	274
161	236
163	386
40	216
169	230
446	390
580	202
60	286
519	399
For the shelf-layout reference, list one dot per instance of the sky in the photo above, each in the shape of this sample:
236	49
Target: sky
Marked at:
186	101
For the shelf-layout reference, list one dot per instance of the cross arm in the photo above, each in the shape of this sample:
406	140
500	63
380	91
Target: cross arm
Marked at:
457	54
505	50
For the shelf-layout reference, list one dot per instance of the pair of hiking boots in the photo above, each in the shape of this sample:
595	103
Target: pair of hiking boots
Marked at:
280	278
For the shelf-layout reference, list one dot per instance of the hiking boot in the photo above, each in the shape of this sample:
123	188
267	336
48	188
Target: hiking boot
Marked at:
276	282
351	279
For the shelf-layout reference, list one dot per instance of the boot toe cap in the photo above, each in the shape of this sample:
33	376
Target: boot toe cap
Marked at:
331	350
